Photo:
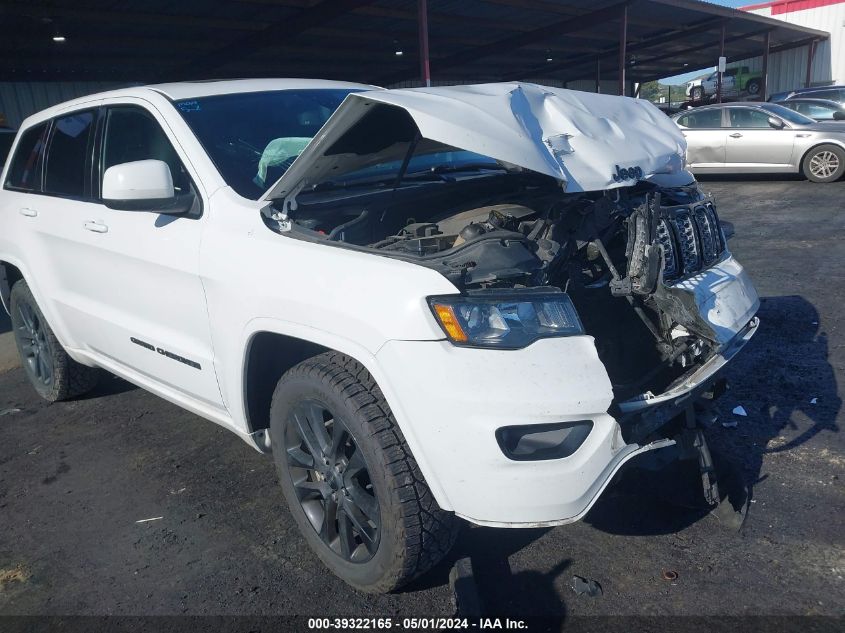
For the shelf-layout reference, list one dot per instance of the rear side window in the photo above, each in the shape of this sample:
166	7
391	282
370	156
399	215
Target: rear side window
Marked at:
25	169
833	95
702	119
815	110
67	171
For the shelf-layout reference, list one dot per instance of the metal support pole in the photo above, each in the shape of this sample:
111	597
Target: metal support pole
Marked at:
811	52
425	68
765	87
598	75
623	44
721	54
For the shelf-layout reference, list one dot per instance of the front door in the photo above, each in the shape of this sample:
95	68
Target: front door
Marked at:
754	144
144	277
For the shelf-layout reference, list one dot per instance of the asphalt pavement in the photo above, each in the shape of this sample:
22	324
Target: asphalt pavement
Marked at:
77	477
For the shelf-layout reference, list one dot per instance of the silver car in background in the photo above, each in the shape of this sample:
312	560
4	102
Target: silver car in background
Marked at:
755	137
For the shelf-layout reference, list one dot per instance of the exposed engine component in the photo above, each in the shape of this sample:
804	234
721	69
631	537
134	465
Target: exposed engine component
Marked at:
619	255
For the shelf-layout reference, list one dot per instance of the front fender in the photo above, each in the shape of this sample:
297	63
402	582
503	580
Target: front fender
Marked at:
361	354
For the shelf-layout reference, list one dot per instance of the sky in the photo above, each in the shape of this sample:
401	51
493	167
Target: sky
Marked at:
682	79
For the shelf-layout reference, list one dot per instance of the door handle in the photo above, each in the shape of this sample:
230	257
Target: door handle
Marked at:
30	213
96	227
736	135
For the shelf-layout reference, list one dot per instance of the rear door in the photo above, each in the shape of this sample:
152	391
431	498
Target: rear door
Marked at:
706	139
54	240
754	145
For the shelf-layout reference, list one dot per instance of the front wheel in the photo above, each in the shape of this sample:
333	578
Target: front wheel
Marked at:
54	375
350	479
825	163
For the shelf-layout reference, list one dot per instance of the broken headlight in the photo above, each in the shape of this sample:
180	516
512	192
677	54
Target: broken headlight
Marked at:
505	320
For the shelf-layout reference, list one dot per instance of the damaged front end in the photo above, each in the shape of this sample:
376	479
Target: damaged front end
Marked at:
638	252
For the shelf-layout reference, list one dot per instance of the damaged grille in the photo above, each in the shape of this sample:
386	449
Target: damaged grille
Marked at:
690	238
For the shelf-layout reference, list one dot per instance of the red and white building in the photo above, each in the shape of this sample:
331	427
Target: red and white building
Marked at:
788	69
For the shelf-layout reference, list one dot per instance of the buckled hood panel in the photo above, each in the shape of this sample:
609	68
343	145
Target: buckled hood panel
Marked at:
590	142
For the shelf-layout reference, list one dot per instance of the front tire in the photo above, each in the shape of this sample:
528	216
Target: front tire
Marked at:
54	375
825	163
350	479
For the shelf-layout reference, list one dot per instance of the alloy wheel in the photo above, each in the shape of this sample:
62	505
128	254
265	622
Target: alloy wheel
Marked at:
332	482
35	349
824	164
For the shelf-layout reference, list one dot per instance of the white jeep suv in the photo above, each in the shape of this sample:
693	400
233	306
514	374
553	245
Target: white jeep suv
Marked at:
475	301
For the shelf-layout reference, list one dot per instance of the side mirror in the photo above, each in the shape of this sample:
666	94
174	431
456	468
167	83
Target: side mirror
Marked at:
839	115
143	185
776	123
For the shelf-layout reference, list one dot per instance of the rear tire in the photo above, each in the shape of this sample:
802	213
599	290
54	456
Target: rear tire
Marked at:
54	375
350	479
696	93
825	163
753	87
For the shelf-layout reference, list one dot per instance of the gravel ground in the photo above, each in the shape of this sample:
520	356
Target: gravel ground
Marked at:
75	478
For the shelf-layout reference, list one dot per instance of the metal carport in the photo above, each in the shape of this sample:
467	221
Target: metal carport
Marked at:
379	41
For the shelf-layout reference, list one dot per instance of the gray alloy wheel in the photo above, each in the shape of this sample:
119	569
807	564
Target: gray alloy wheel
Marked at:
696	93
825	163
53	374
350	479
332	481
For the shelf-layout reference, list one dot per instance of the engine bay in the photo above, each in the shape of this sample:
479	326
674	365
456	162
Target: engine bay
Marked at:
619	254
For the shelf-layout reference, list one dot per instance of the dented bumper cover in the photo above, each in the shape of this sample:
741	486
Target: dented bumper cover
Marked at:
450	401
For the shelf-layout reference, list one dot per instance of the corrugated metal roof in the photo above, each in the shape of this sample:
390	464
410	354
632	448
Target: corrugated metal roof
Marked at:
357	40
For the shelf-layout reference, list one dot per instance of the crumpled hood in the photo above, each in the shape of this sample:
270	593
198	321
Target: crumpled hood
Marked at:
588	141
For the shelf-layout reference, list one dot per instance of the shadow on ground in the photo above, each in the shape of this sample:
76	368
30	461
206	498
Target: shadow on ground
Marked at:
781	416
108	385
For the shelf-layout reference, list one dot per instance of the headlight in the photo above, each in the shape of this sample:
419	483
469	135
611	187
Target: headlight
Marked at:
505	319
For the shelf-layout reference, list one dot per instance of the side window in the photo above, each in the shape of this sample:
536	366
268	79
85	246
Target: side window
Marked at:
133	134
833	95
709	118
25	169
66	171
748	118
816	111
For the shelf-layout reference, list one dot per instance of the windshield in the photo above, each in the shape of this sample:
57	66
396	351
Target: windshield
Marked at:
785	113
437	159
253	137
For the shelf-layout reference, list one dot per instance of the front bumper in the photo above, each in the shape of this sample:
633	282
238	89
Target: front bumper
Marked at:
449	401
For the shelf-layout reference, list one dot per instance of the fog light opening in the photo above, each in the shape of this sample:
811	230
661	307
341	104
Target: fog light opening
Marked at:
543	441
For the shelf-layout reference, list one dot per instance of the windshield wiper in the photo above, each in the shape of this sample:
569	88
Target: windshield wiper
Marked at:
451	169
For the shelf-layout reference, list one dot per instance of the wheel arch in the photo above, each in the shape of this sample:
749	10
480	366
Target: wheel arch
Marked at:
277	347
834	142
268	356
9	276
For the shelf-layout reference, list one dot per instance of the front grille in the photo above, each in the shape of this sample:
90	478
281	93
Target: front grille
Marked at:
664	236
690	238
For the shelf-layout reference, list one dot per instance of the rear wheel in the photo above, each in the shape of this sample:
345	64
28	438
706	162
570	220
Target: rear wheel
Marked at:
53	374
697	93
753	87
825	163
350	479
